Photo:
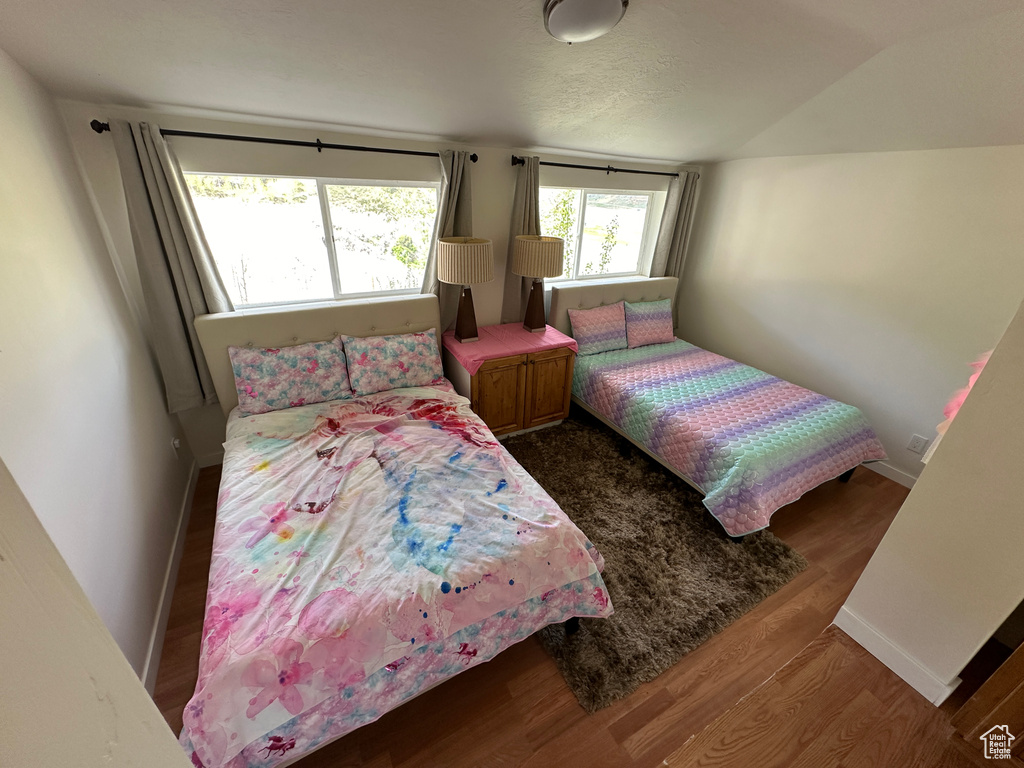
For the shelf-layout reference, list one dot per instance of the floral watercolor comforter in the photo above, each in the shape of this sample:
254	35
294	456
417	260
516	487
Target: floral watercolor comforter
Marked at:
366	550
750	441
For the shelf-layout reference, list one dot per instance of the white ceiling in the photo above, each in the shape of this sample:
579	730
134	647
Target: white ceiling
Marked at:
686	80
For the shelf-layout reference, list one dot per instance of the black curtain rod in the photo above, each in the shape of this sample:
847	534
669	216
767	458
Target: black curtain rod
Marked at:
607	169
99	127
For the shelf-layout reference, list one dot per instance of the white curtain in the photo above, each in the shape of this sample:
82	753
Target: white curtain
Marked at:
178	275
676	225
525	221
454	219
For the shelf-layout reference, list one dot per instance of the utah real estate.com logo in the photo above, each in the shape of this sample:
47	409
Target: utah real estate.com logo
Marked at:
997	742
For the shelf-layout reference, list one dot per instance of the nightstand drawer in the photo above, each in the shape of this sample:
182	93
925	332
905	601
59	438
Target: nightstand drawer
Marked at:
497	393
549	386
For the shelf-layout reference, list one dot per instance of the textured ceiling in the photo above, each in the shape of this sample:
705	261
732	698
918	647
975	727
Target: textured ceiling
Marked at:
686	80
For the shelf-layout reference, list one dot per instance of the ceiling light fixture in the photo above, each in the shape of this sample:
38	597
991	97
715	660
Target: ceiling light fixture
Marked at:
576	21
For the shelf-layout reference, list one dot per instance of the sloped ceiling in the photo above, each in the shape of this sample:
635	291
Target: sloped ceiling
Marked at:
686	80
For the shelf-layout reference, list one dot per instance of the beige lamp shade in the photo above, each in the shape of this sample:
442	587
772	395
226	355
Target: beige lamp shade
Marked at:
464	260
537	256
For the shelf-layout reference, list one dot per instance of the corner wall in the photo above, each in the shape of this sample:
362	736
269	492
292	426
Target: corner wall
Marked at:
948	571
83	426
873	278
67	694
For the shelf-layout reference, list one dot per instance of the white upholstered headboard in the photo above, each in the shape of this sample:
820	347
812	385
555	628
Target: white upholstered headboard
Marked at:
594	295
298	325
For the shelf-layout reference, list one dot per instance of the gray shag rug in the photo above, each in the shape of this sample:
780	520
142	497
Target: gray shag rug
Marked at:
674	577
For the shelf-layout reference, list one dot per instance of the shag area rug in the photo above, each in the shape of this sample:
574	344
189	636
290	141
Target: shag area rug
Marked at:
674	577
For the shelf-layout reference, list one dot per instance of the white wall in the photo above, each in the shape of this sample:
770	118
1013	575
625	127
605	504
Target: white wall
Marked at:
948	571
83	426
67	694
493	181
874	278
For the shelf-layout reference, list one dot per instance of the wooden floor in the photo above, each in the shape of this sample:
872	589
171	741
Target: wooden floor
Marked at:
832	705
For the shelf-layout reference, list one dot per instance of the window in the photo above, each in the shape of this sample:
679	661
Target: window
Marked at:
267	235
606	232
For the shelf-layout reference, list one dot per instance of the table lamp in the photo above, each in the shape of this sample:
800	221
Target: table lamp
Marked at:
538	257
463	261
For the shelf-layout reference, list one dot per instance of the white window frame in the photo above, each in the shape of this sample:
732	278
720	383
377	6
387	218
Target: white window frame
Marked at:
325	206
652	223
325	215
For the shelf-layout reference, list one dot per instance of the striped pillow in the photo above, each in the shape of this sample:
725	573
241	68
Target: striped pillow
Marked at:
649	322
601	329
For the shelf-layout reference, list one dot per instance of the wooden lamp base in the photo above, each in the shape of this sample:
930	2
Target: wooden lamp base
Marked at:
465	322
535	322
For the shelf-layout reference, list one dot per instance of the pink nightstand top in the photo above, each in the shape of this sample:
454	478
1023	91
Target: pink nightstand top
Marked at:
504	341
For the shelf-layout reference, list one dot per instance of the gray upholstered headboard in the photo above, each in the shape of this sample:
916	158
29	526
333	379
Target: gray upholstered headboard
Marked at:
586	296
298	325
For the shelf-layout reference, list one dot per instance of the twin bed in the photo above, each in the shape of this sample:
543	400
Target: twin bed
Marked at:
368	548
750	442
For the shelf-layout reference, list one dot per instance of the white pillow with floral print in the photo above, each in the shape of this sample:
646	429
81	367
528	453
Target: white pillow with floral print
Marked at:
272	379
379	363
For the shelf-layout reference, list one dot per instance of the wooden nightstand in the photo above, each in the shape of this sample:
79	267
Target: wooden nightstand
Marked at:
515	380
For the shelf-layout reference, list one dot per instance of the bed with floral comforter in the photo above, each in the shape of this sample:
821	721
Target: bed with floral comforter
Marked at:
366	550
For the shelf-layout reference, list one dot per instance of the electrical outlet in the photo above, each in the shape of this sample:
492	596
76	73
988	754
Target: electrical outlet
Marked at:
917	444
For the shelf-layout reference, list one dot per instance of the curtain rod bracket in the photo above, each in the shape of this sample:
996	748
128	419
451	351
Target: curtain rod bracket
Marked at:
99	127
319	146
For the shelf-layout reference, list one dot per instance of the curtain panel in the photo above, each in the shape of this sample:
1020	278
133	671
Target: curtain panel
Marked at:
674	233
525	221
454	219
178	275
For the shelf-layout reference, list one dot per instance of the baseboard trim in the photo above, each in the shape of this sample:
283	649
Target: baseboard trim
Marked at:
895	658
528	429
211	459
885	469
156	638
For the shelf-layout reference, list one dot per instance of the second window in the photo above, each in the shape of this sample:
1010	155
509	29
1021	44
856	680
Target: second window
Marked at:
606	232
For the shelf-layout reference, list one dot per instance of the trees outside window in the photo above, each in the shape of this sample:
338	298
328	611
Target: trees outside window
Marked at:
267	235
604	230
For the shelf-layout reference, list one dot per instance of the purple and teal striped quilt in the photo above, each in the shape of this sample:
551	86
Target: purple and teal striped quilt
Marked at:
751	442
